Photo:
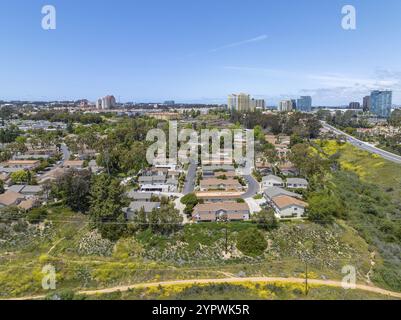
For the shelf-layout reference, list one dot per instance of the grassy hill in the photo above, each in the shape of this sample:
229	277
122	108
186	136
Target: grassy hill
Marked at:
371	188
85	261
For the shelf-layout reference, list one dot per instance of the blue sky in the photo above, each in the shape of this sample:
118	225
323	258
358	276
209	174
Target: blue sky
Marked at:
199	51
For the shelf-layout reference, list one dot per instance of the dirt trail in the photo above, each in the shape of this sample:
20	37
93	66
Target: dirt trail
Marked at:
330	283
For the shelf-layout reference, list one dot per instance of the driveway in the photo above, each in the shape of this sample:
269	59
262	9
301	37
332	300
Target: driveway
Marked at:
254	206
253	187
179	206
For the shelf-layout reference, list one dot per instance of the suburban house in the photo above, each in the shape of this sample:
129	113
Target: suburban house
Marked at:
155	188
157	179
221	211
26	190
137	206
30	191
272	192
140	196
28	204
272	181
297	183
50	152
74	164
32	157
210	170
288	169
288	207
218	196
155	172
226	174
52	175
10	198
22	164
220	184
164	165
173	174
87	154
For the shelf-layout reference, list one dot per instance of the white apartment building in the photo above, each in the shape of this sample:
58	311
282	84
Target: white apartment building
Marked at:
105	103
240	102
285	106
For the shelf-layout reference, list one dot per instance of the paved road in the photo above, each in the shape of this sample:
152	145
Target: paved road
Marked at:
66	153
253	187
66	156
365	146
316	282
189	185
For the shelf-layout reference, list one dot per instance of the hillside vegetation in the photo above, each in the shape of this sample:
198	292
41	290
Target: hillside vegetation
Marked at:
369	188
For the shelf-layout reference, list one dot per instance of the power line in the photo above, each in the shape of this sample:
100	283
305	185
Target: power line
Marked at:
16	218
179	269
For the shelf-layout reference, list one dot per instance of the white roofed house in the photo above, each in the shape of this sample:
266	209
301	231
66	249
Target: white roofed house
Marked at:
272	181
288	207
273	192
297	183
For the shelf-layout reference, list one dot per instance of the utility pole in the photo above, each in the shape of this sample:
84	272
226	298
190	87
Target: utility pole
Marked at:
306	279
226	237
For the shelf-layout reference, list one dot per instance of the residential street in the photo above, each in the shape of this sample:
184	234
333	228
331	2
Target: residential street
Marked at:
66	153
66	156
253	187
190	179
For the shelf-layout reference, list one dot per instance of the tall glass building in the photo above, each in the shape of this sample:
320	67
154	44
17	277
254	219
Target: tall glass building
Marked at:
304	104
381	103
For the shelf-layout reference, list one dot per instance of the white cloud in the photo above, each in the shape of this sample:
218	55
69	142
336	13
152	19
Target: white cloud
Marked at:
344	80
330	88
241	43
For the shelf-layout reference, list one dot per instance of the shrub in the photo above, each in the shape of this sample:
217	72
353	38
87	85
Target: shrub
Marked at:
36	215
251	242
266	220
190	201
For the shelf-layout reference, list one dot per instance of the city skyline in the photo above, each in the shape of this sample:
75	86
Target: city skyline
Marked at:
156	52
